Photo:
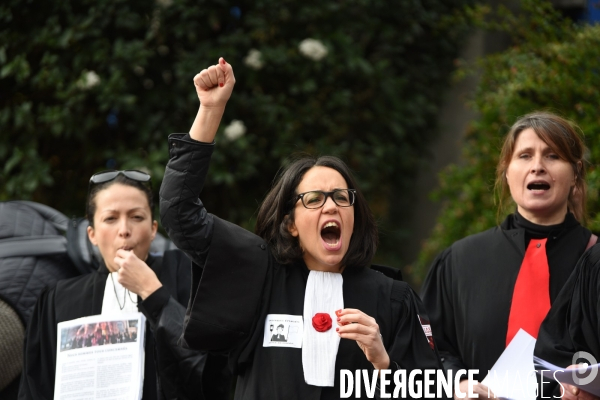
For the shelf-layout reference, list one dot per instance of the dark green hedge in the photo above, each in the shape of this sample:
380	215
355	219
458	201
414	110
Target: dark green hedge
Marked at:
87	85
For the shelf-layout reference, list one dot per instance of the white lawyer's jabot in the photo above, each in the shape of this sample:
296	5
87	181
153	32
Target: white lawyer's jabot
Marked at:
323	294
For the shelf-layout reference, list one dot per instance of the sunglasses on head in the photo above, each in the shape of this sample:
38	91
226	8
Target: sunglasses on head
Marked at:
132	174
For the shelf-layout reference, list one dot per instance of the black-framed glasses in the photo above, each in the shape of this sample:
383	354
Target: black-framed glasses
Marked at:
317	198
132	174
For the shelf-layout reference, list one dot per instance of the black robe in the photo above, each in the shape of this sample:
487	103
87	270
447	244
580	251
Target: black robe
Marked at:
572	325
180	371
241	283
468	291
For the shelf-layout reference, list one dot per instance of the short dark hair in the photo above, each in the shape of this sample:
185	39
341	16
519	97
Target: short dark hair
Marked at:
90	209
562	136
276	213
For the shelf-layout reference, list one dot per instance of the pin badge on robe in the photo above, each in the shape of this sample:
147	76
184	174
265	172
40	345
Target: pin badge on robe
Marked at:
427	329
283	330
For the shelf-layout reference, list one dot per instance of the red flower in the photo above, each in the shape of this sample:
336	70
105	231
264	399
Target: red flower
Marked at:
321	322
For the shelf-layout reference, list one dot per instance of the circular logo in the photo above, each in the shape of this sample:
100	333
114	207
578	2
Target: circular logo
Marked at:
582	375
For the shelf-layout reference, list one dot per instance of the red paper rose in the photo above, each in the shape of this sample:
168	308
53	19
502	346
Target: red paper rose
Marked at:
321	322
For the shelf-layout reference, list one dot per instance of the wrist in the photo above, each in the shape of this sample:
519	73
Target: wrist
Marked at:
212	107
144	293
383	364
207	122
211	111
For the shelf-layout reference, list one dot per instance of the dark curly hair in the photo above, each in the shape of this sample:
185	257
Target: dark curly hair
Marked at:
276	213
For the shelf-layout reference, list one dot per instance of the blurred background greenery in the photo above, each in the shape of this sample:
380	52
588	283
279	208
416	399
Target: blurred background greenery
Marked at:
92	85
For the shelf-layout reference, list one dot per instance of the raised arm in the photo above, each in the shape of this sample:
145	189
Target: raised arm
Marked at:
182	213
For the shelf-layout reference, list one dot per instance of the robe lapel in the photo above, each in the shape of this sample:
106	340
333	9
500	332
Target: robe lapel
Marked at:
516	238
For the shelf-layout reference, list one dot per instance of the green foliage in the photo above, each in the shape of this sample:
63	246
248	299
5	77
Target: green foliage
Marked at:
87	85
552	65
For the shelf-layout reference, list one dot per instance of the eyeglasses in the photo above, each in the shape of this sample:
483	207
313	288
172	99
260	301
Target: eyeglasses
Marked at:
317	198
132	174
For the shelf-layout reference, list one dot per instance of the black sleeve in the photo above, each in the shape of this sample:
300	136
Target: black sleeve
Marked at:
437	298
182	213
225	305
411	348
572	326
153	305
184	372
39	361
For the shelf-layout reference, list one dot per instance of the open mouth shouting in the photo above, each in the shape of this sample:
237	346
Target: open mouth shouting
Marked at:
538	186
331	235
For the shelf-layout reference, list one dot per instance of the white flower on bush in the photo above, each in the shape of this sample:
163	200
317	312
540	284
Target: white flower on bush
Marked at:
254	59
89	80
234	130
313	49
